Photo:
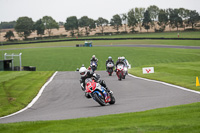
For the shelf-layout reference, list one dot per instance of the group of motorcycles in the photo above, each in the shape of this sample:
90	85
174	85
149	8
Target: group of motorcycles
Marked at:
96	90
121	70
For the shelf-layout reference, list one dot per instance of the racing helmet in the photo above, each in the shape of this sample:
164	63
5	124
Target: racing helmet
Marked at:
109	58
123	58
93	56
83	71
119	58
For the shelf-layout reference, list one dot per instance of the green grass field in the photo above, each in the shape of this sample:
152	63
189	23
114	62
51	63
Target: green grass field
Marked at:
17	89
176	66
174	34
177	119
109	42
183	34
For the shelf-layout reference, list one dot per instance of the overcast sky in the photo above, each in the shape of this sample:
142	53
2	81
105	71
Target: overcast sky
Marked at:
61	9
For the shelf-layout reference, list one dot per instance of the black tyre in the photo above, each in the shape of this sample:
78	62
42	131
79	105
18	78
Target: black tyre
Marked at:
120	76
98	99
112	99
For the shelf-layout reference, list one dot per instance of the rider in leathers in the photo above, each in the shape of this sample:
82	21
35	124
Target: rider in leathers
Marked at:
94	59
109	60
89	74
119	61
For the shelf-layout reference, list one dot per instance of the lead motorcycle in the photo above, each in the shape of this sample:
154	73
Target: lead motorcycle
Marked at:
120	71
110	67
98	92
93	65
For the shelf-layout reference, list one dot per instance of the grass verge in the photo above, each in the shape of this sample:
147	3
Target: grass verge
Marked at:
181	73
17	89
184	119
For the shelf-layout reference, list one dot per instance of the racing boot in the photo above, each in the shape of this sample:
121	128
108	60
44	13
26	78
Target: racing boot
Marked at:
87	95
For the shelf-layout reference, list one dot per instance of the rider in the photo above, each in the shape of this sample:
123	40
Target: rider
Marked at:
124	60
94	59
119	61
109	60
85	73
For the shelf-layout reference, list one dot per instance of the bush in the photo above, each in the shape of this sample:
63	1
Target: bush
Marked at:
108	33
124	32
159	30
190	29
98	34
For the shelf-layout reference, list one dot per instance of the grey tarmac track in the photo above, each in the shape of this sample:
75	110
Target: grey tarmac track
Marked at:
121	45
64	99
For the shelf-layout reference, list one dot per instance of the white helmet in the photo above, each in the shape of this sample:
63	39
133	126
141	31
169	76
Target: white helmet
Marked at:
83	71
93	56
109	58
122	57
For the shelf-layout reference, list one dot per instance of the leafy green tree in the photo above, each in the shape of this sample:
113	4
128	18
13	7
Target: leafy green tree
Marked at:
147	20
86	23
9	35
124	19
116	21
184	14
139	15
153	12
193	18
162	19
101	22
175	19
49	24
39	26
7	25
132	21
71	24
24	26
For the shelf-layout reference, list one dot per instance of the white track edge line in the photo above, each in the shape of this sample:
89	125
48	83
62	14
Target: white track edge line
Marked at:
176	86
34	100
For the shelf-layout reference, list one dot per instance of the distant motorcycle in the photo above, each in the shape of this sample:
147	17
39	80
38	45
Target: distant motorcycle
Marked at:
110	67
98	92
93	65
120	71
125	72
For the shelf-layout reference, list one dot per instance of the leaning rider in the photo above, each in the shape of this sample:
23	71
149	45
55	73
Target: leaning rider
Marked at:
109	60
85	73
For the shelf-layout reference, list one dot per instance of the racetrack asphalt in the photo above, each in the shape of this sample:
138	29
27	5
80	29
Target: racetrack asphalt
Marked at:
121	45
63	98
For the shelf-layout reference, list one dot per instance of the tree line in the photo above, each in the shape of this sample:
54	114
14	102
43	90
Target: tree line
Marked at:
136	17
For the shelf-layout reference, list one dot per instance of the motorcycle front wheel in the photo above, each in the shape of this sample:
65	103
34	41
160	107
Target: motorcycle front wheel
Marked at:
99	99
112	99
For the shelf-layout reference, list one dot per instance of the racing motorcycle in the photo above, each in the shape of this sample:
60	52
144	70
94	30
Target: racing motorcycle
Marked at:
125	72
93	65
110	67
98	92
120	71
